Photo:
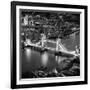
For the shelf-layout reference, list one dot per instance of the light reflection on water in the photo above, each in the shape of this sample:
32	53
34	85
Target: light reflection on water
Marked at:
28	54
32	60
44	58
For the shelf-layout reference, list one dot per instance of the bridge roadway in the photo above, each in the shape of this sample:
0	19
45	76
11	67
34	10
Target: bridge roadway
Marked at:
62	51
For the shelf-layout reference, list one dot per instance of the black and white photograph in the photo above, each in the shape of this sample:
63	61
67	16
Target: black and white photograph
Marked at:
49	44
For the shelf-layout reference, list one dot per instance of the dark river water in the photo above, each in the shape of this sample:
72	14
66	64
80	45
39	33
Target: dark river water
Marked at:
32	60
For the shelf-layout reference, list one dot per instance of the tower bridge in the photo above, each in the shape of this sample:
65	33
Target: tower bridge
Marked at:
58	49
